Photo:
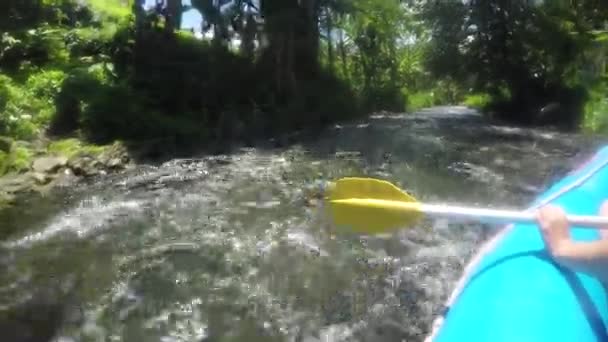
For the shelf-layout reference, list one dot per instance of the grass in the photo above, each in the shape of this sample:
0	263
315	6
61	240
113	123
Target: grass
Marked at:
20	158
443	92
477	100
419	100
71	147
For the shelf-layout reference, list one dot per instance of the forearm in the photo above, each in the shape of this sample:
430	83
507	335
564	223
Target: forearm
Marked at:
587	257
590	250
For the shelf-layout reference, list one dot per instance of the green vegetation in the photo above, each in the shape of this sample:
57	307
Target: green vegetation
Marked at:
107	70
71	147
21	158
536	60
479	101
17	159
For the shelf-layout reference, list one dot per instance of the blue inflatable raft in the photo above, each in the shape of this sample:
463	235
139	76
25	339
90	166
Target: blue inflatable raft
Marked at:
514	292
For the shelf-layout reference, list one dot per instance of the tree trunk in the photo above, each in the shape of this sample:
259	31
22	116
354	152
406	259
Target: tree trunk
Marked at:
248	37
309	37
330	48
342	48
139	13
293	41
394	73
174	15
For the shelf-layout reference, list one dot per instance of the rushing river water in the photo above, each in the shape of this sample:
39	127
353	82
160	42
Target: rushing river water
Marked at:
232	248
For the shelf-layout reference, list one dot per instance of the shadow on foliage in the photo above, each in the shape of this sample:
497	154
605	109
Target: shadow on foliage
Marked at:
170	93
559	106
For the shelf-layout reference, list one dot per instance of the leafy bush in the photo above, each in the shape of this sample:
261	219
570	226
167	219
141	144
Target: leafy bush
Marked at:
111	10
420	99
596	109
35	47
26	109
442	92
105	111
478	100
97	42
384	98
320	102
21	158
3	162
82	73
18	159
76	91
45	84
24	14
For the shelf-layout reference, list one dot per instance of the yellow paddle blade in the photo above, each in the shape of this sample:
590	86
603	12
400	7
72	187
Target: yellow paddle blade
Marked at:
372	206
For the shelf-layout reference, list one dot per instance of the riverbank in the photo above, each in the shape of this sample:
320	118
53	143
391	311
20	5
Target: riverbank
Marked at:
38	167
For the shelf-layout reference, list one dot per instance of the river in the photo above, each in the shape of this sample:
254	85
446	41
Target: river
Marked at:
234	248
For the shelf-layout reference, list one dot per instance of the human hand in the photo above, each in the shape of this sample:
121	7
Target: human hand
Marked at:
554	228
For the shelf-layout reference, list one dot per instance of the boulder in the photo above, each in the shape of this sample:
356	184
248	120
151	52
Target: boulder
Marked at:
66	178
115	163
16	183
49	164
84	165
41	178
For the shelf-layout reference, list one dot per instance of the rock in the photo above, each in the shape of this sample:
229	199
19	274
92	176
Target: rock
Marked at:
42	178
6	199
37	317
12	184
83	165
49	164
115	163
6	144
66	178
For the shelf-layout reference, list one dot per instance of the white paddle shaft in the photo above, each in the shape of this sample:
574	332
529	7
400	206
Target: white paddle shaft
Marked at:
506	216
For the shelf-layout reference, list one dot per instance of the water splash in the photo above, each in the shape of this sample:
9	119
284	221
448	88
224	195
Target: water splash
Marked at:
237	247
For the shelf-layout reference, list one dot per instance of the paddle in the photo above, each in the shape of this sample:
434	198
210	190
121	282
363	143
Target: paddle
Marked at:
372	206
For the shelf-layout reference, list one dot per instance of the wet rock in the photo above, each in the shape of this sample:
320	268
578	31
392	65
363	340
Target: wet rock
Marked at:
41	178
112	158
115	157
66	178
36	318
49	164
84	165
12	184
6	199
115	163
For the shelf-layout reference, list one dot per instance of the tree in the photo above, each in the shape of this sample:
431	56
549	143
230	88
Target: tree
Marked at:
527	53
174	15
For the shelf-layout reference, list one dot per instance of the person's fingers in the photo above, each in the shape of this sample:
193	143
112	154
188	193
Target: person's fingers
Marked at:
544	215
604	212
551	213
551	220
604	209
541	215
538	215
